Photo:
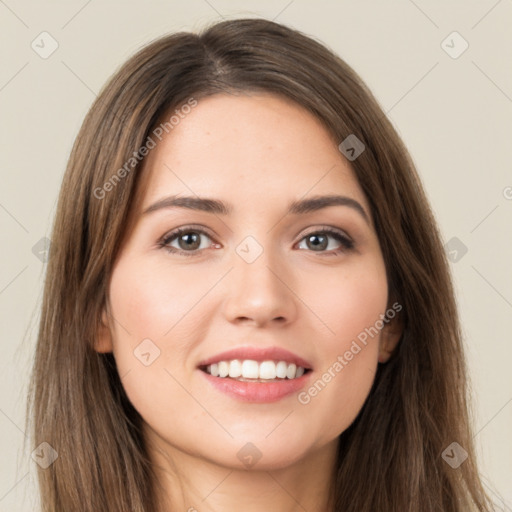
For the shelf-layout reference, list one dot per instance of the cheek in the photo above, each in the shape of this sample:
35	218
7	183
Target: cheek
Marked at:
145	306
156	325
348	302
351	307
150	300
149	306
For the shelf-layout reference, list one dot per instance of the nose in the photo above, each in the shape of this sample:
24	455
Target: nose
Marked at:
259	293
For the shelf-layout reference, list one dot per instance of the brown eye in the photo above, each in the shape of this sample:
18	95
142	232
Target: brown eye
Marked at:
320	241
189	241
186	241
317	242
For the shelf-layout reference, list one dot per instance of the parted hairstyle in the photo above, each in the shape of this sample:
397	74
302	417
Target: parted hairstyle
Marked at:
390	457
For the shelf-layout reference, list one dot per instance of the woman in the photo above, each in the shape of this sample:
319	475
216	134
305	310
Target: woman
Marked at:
247	302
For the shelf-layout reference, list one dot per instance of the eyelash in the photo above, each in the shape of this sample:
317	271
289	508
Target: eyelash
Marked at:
347	244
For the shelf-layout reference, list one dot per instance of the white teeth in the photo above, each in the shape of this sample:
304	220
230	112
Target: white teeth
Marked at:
281	369
223	369
235	369
249	369
292	371
268	370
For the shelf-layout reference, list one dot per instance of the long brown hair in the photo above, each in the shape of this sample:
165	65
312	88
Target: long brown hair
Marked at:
390	458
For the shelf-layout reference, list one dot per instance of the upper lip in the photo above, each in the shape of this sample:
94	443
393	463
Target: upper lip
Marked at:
257	354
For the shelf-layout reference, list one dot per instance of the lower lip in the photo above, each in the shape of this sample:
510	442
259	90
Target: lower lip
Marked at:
258	392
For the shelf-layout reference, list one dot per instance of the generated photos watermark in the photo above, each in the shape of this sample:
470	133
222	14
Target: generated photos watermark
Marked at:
304	397
157	133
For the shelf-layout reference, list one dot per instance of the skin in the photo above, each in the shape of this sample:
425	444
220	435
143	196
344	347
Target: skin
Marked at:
292	296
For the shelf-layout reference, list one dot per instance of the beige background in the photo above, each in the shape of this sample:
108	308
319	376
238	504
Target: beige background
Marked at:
453	113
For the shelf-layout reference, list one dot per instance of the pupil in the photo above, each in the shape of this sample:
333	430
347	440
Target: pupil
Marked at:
313	239
191	240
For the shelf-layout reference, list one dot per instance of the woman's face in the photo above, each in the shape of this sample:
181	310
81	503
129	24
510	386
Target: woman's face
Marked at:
252	276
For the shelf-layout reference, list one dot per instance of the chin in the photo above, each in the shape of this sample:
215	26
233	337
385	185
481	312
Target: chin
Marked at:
253	459
256	452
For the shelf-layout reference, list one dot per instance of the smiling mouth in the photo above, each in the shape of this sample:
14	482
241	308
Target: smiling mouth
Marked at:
249	370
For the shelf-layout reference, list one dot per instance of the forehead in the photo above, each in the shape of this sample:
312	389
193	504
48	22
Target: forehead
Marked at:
253	149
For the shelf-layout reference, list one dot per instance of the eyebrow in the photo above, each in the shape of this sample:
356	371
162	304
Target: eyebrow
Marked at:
217	207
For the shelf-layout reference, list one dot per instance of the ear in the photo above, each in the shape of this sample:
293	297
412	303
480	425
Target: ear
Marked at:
390	336
103	342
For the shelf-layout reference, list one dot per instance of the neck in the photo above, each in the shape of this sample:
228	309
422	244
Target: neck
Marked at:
190	483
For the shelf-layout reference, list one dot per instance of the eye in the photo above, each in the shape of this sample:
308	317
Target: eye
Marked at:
318	241
187	241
